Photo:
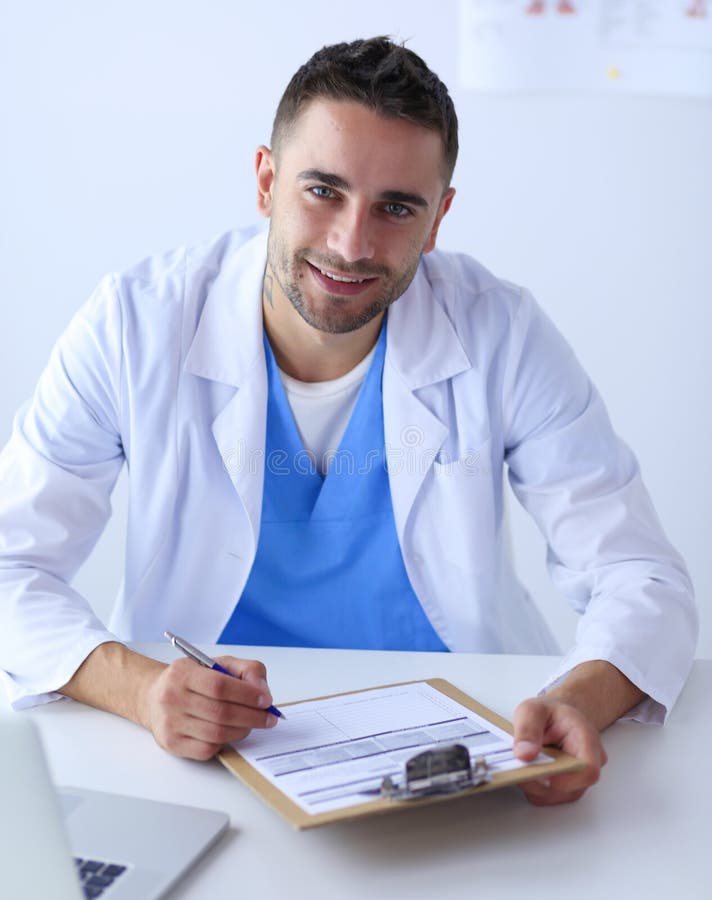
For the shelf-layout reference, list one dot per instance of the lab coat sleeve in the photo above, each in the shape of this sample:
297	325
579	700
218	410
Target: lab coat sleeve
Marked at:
607	552
56	477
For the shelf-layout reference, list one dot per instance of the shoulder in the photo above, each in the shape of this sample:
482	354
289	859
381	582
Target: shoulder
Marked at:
459	279
475	300
175	276
144	318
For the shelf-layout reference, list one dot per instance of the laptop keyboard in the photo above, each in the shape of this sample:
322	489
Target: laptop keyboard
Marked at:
96	876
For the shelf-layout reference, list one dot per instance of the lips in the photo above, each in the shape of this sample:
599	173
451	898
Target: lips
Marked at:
341	285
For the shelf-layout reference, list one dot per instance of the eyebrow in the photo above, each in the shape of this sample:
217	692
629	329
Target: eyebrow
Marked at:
341	184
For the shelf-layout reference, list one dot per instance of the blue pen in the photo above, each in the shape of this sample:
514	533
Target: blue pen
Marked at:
204	660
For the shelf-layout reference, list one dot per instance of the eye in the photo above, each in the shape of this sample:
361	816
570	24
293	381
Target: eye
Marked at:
398	210
322	192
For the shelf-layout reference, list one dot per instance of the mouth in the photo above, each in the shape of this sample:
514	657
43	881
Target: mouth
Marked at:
340	284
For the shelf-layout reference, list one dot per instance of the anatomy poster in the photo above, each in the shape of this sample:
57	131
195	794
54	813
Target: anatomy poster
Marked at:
659	47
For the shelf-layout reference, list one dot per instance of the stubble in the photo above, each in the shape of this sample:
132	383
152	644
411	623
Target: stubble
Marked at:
334	317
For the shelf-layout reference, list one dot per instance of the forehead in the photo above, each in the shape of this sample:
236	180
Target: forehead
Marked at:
349	139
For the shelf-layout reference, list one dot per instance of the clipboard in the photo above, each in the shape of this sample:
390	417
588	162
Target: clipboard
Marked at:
299	818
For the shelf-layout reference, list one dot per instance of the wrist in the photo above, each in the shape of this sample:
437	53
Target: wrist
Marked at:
598	690
116	679
145	673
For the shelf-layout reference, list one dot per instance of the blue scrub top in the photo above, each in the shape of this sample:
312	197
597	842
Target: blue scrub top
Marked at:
329	570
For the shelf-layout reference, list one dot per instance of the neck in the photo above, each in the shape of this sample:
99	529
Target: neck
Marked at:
307	354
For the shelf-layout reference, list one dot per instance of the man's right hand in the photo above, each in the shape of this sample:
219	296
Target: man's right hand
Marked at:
192	711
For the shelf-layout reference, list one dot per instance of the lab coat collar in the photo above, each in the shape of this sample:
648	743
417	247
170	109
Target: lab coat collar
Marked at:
228	340
423	345
422	349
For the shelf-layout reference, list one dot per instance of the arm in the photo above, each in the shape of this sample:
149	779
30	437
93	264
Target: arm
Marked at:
191	711
571	715
56	477
607	552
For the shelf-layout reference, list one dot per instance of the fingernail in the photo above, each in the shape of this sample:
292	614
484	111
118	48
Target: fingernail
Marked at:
545	782
271	721
527	748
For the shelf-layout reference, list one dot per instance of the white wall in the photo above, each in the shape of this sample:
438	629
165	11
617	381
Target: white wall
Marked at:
129	127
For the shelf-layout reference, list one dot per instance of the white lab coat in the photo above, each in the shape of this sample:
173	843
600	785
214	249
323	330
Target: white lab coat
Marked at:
164	368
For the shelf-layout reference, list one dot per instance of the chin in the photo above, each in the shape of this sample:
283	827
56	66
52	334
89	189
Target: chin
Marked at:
331	319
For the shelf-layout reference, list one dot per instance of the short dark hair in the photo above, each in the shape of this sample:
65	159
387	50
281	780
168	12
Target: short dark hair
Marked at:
387	77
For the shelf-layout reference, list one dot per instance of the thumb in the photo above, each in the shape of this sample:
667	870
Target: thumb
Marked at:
530	719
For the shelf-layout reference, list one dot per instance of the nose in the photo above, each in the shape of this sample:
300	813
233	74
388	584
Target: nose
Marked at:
350	235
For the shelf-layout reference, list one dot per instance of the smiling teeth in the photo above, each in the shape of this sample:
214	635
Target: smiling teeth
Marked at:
341	278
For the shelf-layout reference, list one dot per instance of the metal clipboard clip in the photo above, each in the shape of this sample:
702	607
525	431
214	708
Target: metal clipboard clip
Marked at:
446	770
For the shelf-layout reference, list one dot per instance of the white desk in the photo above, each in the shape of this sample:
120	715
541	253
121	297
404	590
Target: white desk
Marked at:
643	831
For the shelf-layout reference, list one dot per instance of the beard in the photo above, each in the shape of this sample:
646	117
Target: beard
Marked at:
336	314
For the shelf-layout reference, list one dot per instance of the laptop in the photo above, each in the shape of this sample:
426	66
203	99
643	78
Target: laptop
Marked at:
69	843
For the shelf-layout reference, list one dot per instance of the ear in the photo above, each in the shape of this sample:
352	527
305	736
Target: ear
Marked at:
445	205
265	171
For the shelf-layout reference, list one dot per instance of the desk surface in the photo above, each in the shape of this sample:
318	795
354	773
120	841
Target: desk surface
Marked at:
643	831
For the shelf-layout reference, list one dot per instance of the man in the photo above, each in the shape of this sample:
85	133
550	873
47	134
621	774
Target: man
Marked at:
315	424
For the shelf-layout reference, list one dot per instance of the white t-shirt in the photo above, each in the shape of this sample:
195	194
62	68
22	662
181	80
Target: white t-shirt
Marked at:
322	409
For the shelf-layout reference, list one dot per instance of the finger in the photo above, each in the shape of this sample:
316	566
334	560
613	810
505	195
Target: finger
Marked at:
565	787
530	722
185	734
219	686
229	715
540	795
247	669
250	671
564	784
216	732
187	747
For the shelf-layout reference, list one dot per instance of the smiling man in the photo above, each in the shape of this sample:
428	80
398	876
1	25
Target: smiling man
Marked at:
317	421
347	235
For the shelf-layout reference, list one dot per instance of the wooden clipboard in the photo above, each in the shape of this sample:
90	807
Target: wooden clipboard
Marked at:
299	818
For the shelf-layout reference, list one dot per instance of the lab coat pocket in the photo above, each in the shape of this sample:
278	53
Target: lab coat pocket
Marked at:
459	504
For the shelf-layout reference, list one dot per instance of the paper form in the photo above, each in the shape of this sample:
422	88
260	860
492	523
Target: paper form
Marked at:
333	753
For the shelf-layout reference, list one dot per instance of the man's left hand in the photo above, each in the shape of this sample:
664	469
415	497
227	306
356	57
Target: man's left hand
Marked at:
547	720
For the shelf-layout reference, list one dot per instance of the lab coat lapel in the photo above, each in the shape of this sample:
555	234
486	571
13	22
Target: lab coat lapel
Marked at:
239	432
228	348
423	349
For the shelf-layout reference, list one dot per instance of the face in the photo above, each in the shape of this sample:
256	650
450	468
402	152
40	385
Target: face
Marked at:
354	200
